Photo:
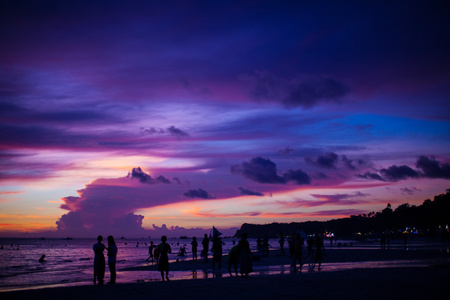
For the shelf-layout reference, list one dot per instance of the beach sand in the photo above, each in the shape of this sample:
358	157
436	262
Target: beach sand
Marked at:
429	281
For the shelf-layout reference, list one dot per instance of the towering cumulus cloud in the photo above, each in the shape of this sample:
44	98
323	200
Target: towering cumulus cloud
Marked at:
109	204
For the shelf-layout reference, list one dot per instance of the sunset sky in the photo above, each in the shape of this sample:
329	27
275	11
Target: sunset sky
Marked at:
120	116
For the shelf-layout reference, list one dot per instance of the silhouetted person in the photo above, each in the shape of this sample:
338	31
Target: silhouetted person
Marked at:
163	261
245	256
205	244
319	250
112	254
42	259
150	251
217	251
233	258
297	252
281	241
194	244
99	260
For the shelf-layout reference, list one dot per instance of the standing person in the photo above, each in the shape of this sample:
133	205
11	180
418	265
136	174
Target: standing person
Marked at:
99	260
245	256
217	251
194	244
297	252
150	251
112	254
319	250
163	260
205	243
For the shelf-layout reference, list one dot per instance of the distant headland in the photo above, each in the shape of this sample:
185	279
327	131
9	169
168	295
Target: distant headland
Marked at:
431	219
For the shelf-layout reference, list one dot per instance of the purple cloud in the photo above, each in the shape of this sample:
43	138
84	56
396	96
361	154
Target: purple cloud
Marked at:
327	160
302	91
396	173
243	191
432	168
198	193
428	168
336	199
137	173
265	171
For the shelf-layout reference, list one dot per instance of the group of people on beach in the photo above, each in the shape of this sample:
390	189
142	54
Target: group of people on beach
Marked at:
99	260
239	254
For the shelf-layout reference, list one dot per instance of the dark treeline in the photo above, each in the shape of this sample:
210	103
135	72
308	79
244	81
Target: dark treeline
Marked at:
431	219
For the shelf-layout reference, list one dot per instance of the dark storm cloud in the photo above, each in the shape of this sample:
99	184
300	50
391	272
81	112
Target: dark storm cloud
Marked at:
243	191
432	168
303	91
198	193
327	160
265	171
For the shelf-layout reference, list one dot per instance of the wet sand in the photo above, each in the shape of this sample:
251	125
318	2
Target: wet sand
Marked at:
429	281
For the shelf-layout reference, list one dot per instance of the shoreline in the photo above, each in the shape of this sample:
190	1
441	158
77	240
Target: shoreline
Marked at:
384	283
273	275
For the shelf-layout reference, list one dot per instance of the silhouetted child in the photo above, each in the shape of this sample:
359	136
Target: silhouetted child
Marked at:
163	260
150	251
